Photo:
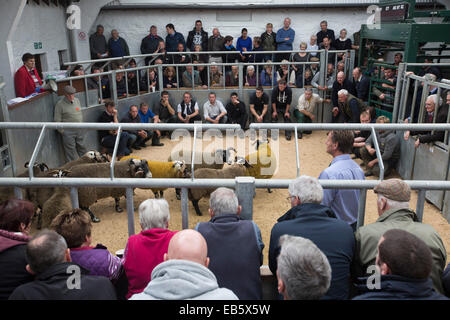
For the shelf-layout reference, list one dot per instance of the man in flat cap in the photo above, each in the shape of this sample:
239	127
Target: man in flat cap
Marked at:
394	213
68	109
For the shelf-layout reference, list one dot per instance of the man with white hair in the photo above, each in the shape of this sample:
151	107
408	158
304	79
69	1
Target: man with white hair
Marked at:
349	107
310	219
304	272
394	213
144	251
431	112
340	83
233	244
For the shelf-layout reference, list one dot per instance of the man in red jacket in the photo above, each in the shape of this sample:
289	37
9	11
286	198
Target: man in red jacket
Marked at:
26	79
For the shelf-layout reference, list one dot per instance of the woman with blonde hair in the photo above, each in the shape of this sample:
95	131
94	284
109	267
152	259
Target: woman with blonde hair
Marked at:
170	78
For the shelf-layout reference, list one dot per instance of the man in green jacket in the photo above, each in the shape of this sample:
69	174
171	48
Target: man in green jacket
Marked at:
394	213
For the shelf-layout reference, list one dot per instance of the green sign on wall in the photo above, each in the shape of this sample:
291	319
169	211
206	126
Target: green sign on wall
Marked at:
38	45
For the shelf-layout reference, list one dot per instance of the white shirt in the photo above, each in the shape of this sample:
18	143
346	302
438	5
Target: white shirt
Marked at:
180	109
213	110
314	47
309	105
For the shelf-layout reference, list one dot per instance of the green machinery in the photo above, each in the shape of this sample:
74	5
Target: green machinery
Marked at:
398	31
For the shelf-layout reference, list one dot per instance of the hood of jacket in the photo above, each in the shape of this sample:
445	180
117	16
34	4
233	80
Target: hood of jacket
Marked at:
307	209
179	280
10	239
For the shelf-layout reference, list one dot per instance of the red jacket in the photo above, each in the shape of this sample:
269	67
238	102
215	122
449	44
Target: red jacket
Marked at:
143	253
23	82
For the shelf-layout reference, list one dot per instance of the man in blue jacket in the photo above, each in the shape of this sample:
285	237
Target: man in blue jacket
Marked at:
173	38
285	38
309	219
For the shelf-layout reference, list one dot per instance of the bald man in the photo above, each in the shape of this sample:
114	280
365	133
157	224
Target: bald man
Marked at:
184	274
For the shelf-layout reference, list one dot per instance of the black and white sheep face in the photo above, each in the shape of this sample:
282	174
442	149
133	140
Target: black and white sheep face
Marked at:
59	173
139	168
230	156
180	168
91	154
243	162
37	166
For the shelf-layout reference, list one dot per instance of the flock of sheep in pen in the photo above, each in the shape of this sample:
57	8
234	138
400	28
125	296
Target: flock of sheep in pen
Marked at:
49	201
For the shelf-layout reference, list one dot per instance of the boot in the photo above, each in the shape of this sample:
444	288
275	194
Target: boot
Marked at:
155	141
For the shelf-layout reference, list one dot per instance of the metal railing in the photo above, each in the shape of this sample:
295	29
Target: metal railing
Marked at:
245	186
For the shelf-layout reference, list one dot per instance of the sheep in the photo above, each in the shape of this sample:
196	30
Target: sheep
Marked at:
263	161
89	157
220	157
162	169
237	169
132	168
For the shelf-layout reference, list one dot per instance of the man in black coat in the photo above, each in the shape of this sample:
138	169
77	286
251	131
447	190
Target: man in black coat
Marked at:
197	36
404	266
57	278
361	84
309	219
341	83
281	103
324	33
151	43
236	112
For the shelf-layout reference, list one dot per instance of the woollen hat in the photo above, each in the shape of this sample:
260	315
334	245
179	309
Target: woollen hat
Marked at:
394	189
69	90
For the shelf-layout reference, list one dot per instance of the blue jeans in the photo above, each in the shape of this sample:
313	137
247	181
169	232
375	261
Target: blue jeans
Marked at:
110	140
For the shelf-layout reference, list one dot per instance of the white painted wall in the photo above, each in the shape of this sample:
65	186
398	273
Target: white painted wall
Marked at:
133	25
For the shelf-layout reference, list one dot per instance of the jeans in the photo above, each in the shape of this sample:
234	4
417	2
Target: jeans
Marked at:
110	140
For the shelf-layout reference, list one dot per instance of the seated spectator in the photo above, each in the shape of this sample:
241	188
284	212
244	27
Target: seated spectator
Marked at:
312	45
389	145
267	77
170	78
216	77
342	43
26	78
414	118
121	84
75	227
269	41
190	75
314	67
147	116
144	251
394	213
184	274
398	58
250	78
173	38
164	113
324	33
307	79
430	69
309	219
361	84
203	74
244	44
361	135
181	58
163	57
285	74
213	110
340	67
229	239
197	37
307	104
304	272
137	137
187	110
132	78
431	113
259	106
399	250
236	111
151	82
77	71
117	46
232	77
15	225
329	79
93	82
199	56
228	47
108	137
349	108
281	103
50	262
301	56
340	83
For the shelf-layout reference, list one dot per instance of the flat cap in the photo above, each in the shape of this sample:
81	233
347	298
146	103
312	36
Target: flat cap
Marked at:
69	90
394	189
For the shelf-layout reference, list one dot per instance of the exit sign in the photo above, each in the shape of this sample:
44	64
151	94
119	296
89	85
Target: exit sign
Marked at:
38	45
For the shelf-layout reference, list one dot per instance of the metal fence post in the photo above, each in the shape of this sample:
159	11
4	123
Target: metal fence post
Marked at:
398	92
74	197
361	208
184	208
420	204
18	193
130	211
245	189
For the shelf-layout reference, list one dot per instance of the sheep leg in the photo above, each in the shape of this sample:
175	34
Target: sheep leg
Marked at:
92	215
156	195
268	190
161	194
178	193
197	209
118	208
